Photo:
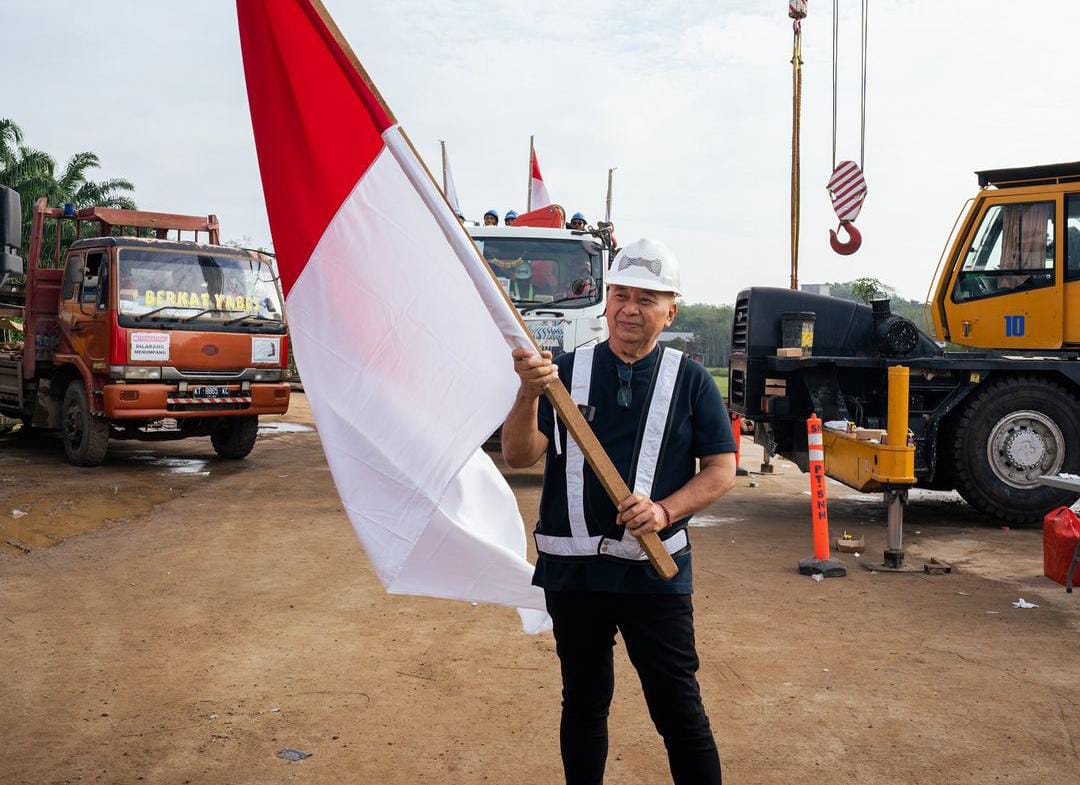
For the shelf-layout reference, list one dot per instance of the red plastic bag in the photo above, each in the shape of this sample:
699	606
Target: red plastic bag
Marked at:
1061	533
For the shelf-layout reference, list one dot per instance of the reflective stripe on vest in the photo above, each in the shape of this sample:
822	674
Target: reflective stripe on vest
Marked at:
575	459
580	542
648	457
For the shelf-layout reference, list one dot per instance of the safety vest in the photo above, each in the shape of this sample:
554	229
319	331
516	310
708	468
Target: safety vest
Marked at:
580	540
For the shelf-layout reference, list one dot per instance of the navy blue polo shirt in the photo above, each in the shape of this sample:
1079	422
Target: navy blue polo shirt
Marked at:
698	425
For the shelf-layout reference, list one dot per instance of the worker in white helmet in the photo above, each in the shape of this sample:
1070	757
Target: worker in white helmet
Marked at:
656	413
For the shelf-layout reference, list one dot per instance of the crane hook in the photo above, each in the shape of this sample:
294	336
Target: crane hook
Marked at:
853	242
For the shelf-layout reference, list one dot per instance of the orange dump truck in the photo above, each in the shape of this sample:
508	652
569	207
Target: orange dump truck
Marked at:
133	331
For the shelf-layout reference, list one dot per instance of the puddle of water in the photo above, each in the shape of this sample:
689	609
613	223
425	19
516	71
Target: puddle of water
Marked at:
50	518
713	520
283	427
192	467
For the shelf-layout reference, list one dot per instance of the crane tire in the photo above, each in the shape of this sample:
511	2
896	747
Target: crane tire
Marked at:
1012	430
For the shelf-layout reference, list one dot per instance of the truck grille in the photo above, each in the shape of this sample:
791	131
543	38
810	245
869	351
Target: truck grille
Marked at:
739	324
202	373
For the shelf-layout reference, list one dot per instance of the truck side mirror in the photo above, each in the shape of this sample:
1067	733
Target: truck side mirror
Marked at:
10	234
10	220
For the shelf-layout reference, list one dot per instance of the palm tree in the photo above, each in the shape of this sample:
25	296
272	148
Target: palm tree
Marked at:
10	136
33	174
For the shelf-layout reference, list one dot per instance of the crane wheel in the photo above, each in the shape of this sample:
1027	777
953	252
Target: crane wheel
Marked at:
1012	431
235	437
86	437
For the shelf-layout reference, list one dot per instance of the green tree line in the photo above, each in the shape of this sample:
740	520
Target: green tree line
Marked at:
711	326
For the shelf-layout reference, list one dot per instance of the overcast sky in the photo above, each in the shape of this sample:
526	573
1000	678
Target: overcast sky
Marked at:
691	101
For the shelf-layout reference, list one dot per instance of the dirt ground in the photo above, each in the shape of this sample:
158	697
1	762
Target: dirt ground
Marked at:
173	618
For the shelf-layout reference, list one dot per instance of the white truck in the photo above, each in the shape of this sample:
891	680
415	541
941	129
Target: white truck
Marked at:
555	278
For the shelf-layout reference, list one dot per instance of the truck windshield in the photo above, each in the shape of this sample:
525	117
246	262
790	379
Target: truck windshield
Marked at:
204	289
539	270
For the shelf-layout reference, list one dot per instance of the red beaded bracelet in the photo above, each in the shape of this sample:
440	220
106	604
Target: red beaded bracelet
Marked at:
667	514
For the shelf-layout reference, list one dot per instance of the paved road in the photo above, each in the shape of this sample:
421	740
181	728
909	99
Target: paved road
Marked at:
179	619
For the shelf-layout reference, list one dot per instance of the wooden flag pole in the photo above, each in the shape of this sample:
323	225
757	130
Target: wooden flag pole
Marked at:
614	485
528	193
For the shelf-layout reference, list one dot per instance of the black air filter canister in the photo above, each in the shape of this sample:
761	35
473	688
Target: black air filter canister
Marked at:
895	335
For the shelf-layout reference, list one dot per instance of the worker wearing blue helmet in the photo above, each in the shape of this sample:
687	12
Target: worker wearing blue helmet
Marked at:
510	217
577	221
491	218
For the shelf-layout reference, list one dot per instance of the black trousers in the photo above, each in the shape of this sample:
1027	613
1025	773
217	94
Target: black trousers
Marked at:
658	630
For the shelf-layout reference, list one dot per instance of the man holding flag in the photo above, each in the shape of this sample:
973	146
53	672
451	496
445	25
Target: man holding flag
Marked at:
655	412
372	261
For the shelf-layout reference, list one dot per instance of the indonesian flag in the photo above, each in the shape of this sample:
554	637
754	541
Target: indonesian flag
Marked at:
538	193
399	331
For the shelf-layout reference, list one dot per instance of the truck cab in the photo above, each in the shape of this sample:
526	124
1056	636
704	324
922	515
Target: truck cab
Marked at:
555	277
128	336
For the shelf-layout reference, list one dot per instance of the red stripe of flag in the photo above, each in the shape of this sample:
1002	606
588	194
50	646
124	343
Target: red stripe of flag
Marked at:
536	167
313	137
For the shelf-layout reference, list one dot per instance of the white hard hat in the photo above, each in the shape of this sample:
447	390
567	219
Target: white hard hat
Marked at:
646	264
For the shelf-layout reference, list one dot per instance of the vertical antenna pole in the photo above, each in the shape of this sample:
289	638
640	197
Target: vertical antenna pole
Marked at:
607	213
528	194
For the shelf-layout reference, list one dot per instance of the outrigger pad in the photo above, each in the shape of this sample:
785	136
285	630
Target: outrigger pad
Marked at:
828	568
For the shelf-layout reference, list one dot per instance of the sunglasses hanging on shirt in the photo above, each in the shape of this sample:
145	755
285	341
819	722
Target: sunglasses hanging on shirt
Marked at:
625	395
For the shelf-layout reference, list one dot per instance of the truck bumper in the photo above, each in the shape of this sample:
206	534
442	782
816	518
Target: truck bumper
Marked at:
158	401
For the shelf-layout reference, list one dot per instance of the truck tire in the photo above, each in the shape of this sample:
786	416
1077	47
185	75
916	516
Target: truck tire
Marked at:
86	437
1012	431
235	436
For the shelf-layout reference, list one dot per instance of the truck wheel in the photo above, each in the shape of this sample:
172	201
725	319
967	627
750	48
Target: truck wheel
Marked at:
1013	431
235	436
86	437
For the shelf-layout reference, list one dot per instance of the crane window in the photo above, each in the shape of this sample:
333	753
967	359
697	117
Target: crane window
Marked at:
1072	237
1012	250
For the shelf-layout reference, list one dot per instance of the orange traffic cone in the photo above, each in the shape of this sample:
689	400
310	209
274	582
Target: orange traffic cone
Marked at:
820	564
736	427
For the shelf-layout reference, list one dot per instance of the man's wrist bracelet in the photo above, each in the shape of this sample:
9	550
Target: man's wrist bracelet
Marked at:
667	514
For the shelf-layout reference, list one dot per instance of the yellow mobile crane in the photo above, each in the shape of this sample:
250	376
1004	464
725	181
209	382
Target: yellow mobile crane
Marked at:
987	420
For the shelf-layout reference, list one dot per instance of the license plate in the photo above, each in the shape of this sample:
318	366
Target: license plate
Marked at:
209	392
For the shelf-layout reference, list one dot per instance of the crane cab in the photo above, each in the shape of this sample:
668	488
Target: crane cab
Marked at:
1011	279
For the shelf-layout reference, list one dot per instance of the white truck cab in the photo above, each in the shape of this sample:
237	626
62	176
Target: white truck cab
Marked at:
555	278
